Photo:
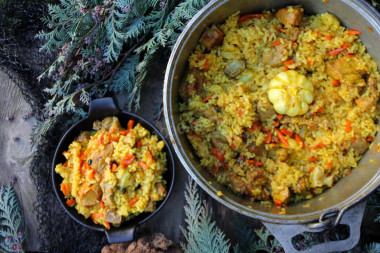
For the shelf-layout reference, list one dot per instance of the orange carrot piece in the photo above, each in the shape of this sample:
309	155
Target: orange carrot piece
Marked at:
328	36
249	16
278	202
115	138
276	124
289	62
107	224
353	32
127	161
114	167
217	155
101	204
65	188
311	169
131	122
96	216
269	137
207	98
348	126
282	138
279	116
329	165
335	83
353	139
298	139
313	159
143	165
124	132
319	145
369	138
276	43
150	157
338	50
286	132
348	172
377	148
70	202
133	201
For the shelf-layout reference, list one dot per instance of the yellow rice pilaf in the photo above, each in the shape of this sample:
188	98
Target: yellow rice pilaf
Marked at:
113	174
238	134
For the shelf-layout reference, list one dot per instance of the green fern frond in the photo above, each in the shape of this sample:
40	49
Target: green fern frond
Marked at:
11	219
201	233
373	248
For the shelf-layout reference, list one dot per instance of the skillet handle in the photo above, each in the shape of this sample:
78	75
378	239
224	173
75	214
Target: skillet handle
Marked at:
102	107
352	218
122	235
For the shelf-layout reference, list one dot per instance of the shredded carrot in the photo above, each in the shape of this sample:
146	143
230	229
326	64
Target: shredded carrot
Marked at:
313	159
289	62
114	167
70	202
131	122
353	139
328	36
233	146
249	16
282	138
65	164
91	176
101	204
319	145
143	165
107	224
311	169
240	112
309	63
65	188
377	148
286	132
138	144
124	132
298	139
286	68
217	155
276	43
115	138
207	98
255	163
276	124
127	161
348	126
348	172
113	130
329	165
269	137
278	202
96	216
150	157
335	83
369	138
133	201
83	156
353	32
338	50
279	116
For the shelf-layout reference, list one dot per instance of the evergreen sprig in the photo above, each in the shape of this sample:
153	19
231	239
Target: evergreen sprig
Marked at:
11	221
201	233
106	46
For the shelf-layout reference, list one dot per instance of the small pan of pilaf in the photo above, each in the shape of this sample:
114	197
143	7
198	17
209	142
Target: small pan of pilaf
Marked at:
112	171
273	107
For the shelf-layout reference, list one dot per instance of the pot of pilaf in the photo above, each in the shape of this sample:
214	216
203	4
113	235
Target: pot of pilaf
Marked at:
272	106
112	171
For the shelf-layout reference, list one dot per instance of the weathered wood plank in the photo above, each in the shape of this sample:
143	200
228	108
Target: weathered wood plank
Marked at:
16	153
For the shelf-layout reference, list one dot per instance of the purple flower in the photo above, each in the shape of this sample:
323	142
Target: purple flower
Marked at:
20	235
13	180
162	5
83	9
126	9
8	239
87	40
96	14
19	246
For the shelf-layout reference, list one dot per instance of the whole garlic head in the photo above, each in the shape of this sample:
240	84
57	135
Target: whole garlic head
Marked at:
290	93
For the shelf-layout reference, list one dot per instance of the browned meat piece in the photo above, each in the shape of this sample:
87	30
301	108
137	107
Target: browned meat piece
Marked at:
209	113
83	137
161	190
234	68
281	197
107	194
257	150
219	142
187	90
360	146
112	217
347	71
97	125
292	33
301	185
265	110
282	154
367	103
255	178
290	16
89	198
150	207
238	184
275	56
98	157
285	119
212	37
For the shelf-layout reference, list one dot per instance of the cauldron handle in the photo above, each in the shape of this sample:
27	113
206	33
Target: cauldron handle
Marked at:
351	217
121	235
102	107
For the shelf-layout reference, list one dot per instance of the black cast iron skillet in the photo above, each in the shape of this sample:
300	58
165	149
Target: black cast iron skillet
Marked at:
99	109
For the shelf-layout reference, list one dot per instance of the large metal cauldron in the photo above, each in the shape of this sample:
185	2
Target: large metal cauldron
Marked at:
323	211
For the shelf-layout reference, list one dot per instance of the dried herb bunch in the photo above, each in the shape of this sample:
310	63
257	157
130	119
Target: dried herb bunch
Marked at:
11	220
106	46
